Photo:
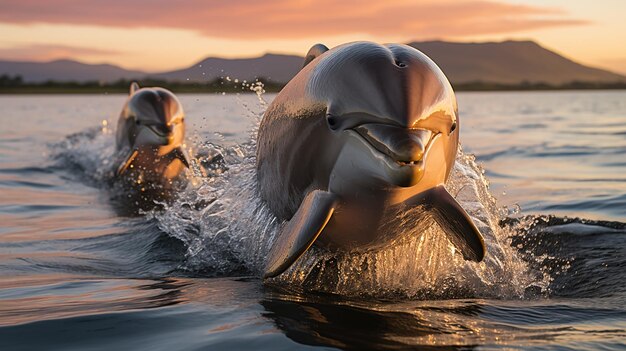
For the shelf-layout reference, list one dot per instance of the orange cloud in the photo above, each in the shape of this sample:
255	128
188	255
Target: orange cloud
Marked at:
43	52
289	19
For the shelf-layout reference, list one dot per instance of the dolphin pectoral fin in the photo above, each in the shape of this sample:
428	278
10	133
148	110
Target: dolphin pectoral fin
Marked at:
182	155
301	231
126	163
455	222
314	52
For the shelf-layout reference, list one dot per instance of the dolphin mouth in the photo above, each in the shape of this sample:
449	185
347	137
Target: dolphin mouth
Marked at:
163	134
162	131
406	147
163	138
408	163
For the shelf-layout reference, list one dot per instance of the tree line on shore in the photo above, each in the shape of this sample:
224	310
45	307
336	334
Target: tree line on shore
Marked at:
17	85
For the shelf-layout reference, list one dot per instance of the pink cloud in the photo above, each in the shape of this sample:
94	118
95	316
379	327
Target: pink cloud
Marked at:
288	19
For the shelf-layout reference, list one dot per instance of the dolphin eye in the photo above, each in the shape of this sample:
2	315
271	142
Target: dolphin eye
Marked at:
332	122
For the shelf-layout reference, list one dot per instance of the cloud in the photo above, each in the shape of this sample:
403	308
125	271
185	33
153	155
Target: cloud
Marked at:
44	52
289	19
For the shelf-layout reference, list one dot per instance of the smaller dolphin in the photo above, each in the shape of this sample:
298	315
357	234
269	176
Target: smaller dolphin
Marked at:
149	139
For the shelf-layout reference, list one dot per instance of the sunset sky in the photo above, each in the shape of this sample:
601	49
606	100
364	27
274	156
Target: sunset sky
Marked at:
162	35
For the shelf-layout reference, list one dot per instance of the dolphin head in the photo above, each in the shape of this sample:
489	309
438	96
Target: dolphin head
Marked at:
153	117
394	110
151	125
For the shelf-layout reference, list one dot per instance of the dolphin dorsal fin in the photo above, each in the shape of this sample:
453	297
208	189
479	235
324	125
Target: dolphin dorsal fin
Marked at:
314	52
134	86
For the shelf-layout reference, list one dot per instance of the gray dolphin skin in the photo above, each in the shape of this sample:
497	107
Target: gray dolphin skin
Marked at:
150	134
362	133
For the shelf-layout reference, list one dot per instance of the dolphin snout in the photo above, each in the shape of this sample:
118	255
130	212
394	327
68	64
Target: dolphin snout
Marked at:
162	129
403	145
155	134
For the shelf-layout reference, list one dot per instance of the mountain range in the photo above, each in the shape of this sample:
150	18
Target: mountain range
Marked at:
507	62
66	71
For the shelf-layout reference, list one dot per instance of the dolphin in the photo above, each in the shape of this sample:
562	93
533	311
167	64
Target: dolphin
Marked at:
362	133
150	136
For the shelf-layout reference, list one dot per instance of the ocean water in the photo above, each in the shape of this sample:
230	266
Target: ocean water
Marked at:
542	173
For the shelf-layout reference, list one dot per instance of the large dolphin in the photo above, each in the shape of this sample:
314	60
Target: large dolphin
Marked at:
150	136
362	133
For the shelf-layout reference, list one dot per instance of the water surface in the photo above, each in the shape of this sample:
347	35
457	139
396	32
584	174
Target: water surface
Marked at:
76	272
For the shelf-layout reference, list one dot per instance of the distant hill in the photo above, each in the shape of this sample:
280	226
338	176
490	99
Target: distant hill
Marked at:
508	62
65	71
278	68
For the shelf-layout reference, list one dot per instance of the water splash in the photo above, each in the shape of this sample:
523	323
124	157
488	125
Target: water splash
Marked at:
224	224
89	154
